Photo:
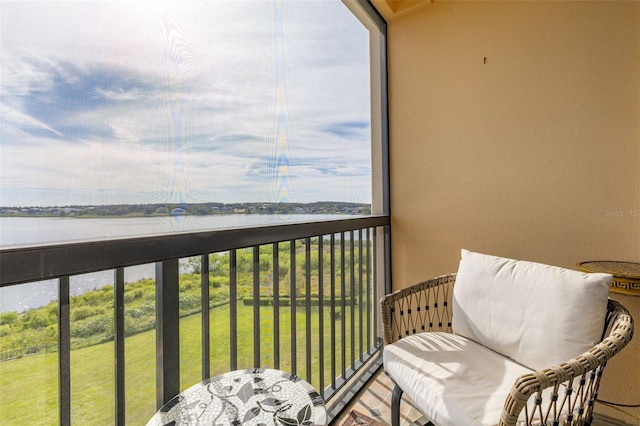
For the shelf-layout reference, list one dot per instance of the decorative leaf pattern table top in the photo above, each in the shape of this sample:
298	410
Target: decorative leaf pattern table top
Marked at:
245	397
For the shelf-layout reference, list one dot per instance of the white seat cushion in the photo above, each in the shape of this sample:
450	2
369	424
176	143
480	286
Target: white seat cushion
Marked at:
451	379
536	314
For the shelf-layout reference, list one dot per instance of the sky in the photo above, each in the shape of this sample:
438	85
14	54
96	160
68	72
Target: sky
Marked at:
134	102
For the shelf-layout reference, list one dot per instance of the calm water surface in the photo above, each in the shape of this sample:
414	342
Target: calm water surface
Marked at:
18	231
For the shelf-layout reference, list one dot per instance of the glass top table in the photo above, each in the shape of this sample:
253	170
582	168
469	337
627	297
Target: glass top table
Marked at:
251	397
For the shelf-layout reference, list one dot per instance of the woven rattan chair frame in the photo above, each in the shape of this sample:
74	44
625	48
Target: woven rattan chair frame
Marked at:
572	387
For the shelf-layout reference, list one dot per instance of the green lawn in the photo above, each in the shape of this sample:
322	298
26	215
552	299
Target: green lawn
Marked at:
28	385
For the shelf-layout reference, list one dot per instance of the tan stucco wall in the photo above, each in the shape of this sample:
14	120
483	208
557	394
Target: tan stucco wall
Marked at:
531	153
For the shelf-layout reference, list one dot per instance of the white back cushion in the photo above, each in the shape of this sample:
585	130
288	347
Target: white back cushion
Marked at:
537	315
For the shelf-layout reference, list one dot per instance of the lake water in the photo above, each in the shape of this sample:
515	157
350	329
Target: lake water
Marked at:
32	230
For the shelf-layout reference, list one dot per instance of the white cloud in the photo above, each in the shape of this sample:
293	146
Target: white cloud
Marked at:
12	116
113	101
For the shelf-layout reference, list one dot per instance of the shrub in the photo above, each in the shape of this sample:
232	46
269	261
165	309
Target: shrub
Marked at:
5	330
90	298
8	317
190	283
133	326
189	303
36	319
92	327
52	310
218	294
134	293
134	313
143	310
84	312
217	282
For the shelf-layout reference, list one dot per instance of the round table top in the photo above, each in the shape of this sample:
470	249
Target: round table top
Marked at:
626	275
615	268
254	397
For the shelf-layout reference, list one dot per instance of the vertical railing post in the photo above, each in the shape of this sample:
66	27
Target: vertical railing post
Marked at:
167	331
370	302
118	343
276	307
321	312
256	306
376	280
293	296
332	289
387	259
204	300
343	307
233	310
360	298
307	273
64	351
352	303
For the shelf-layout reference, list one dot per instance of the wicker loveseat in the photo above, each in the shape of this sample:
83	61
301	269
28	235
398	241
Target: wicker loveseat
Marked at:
507	362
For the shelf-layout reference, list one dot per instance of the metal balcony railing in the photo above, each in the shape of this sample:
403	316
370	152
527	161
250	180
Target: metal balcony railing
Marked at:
300	297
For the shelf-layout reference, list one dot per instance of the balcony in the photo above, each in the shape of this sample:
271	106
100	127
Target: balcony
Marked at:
299	297
515	131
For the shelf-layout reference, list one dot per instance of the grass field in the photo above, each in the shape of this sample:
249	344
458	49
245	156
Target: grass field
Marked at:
29	385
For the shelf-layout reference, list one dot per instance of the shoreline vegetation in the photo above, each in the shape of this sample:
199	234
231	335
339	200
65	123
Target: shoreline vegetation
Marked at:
34	331
196	209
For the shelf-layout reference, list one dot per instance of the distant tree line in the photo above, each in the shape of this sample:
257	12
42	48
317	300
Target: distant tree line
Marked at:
199	209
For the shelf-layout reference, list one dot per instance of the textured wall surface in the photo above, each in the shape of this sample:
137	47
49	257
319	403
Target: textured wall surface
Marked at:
515	131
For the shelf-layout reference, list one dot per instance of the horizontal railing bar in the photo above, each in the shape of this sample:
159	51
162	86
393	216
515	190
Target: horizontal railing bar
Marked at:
36	263
342	381
335	406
